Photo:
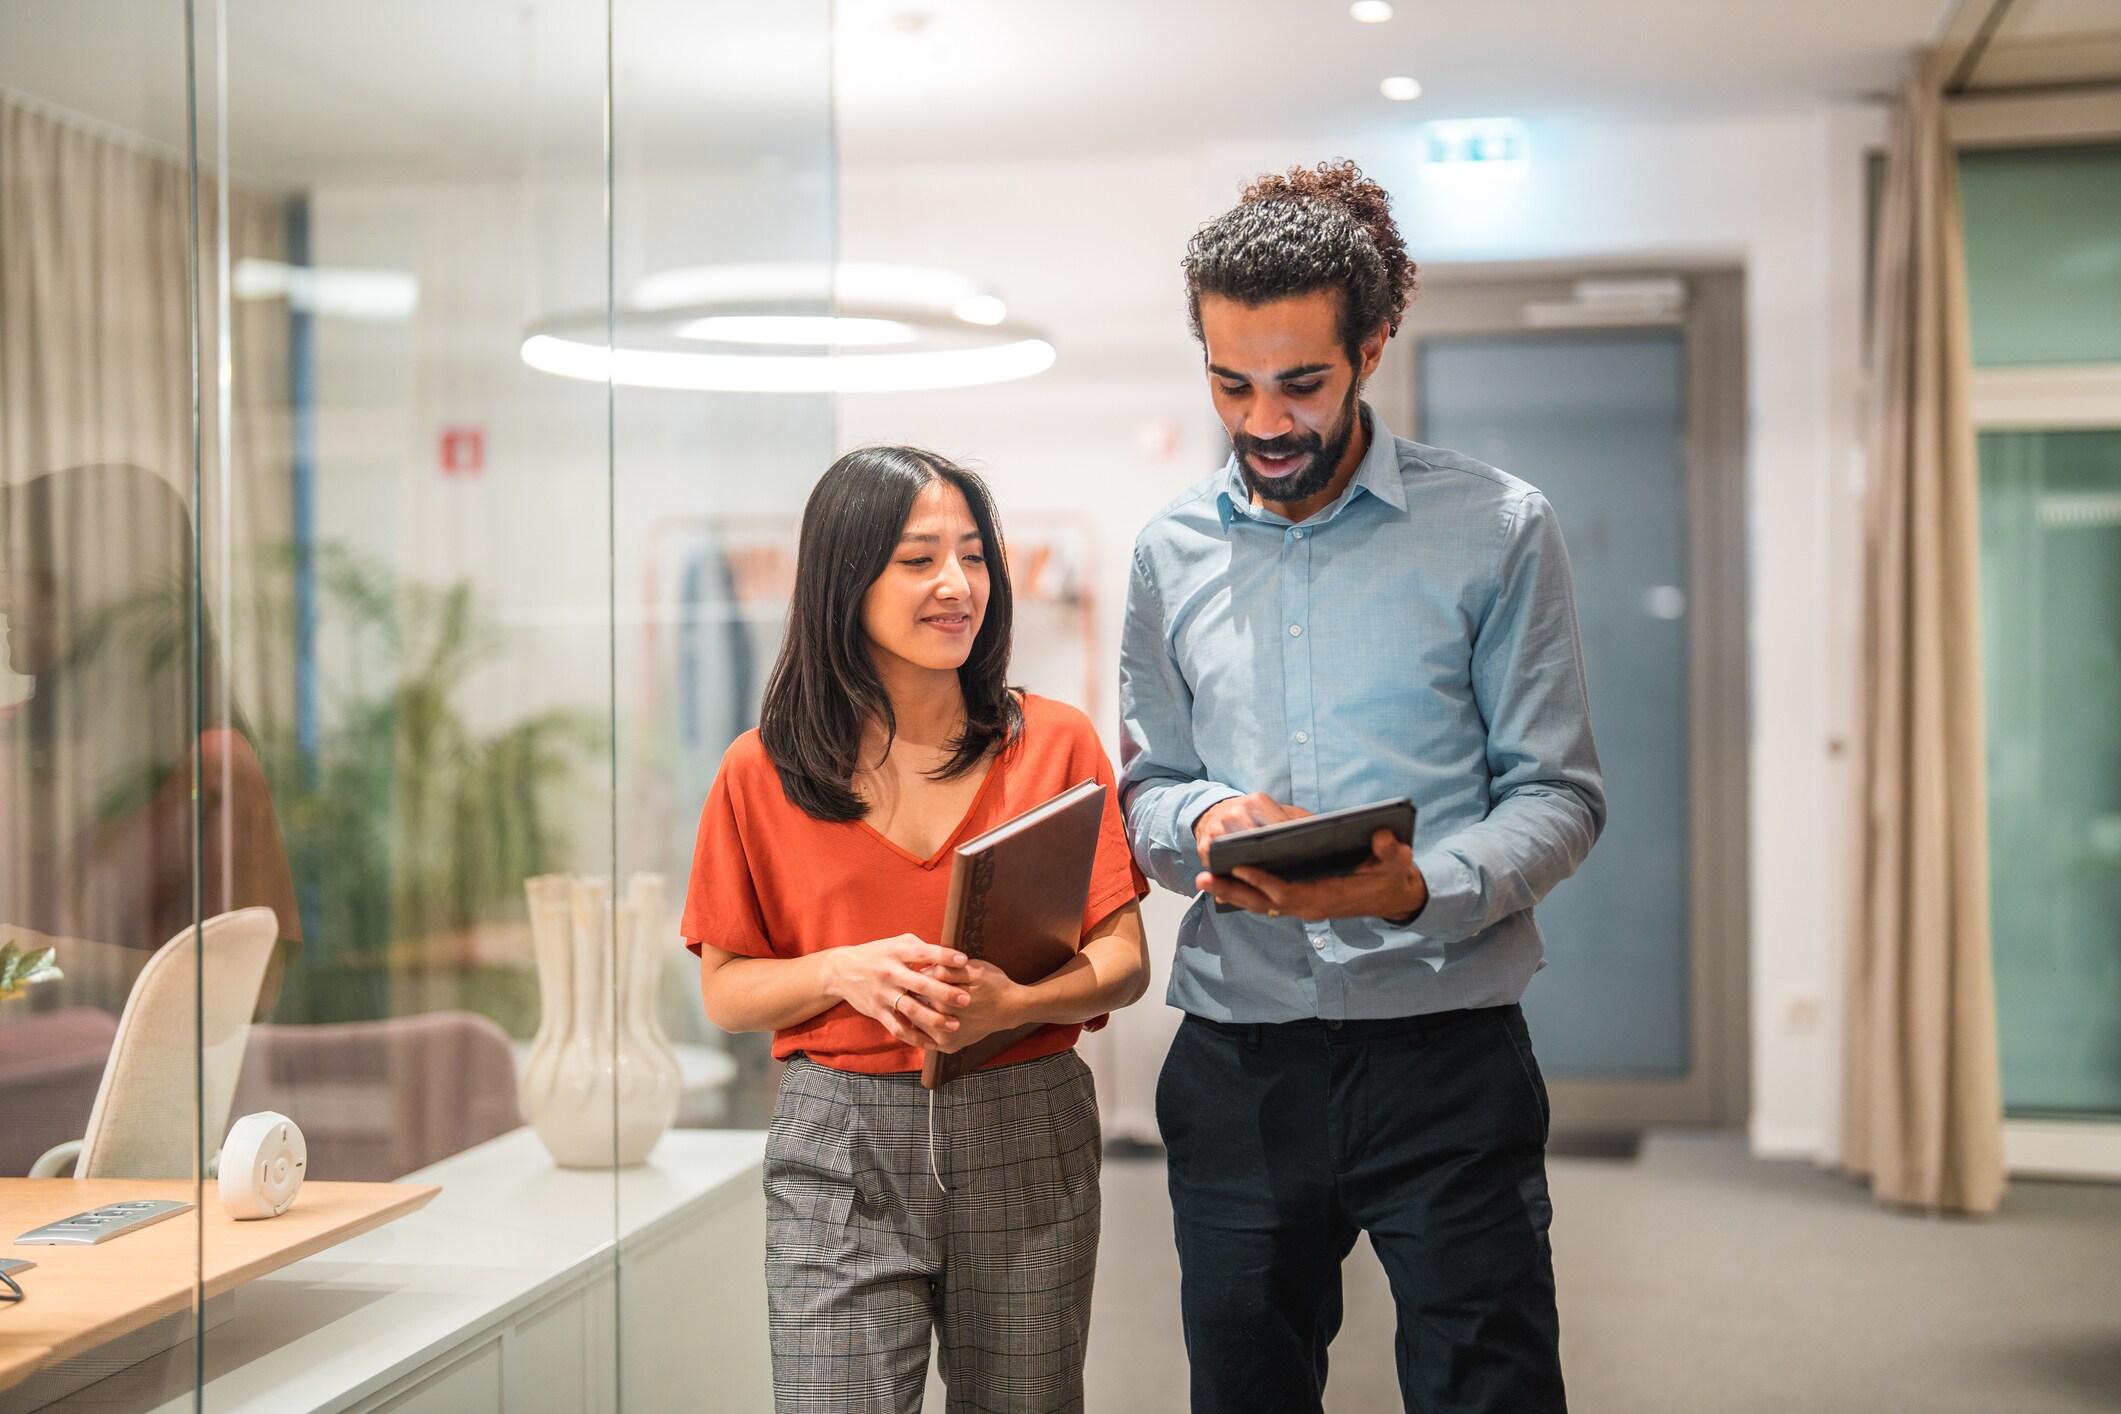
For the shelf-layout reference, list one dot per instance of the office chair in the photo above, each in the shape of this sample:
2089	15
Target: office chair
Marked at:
141	1125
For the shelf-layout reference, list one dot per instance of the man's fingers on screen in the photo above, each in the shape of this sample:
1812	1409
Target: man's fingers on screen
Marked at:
1234	813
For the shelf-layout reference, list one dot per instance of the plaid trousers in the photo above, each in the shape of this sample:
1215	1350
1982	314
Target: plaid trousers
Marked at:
866	1254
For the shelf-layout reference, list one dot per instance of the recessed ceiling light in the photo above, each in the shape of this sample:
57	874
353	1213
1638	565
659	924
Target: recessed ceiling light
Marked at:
1371	12
1400	89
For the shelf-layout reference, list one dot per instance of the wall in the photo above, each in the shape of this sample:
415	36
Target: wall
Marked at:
1090	250
572	476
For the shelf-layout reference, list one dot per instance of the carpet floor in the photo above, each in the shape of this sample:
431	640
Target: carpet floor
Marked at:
1695	1279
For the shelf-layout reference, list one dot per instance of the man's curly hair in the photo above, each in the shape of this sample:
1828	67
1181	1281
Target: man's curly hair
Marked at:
1310	228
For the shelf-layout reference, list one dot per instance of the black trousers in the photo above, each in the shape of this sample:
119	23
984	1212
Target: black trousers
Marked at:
1429	1134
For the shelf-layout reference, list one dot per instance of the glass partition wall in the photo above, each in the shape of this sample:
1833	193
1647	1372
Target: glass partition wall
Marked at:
372	636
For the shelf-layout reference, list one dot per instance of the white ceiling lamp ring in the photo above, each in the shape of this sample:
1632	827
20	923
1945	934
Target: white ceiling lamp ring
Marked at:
806	281
817	285
756	345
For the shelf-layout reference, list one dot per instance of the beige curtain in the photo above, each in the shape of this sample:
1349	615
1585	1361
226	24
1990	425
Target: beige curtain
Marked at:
1922	1103
95	358
97	458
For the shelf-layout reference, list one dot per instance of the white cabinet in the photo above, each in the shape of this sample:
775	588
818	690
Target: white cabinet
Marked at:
522	1289
469	1382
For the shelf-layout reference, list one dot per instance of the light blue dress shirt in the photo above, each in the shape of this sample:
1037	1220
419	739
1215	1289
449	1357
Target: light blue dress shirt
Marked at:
1418	638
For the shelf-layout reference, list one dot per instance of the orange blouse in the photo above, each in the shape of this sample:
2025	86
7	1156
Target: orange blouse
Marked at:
771	881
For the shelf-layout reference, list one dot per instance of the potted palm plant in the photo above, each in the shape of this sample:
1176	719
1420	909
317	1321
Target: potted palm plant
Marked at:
410	829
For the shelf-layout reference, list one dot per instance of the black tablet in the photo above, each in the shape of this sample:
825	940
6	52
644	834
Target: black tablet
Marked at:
1315	847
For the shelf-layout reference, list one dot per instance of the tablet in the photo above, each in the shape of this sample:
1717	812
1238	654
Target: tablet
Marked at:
1315	847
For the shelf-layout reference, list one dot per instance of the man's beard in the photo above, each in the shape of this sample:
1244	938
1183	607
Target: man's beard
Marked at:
1326	452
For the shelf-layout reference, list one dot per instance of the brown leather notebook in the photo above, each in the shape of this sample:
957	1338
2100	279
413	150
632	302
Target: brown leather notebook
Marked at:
1017	895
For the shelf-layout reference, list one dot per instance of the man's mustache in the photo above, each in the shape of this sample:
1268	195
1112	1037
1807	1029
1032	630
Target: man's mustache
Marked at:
1287	445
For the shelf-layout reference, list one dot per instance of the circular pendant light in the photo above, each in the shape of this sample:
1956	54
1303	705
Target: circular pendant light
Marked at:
795	328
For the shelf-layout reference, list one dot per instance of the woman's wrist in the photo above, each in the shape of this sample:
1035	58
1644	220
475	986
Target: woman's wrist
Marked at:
1018	1005
832	974
1045	1004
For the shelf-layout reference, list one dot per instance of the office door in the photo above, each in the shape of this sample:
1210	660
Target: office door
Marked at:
1618	400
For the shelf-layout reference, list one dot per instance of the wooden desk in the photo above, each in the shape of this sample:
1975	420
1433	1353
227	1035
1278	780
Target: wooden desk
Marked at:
82	1297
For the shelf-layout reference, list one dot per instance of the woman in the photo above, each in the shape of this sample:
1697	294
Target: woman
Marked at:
107	769
887	736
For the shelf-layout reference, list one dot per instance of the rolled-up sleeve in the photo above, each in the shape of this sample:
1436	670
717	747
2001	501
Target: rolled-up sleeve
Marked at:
1162	785
1548	796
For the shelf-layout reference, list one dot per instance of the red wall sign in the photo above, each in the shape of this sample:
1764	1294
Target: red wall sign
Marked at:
462	451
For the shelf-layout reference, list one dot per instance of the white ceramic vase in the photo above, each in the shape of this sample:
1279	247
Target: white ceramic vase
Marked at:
601	1083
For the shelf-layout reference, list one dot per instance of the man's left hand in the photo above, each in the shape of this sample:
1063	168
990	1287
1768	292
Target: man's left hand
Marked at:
1387	885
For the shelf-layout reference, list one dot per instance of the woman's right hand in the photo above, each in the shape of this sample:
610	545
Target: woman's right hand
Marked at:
885	981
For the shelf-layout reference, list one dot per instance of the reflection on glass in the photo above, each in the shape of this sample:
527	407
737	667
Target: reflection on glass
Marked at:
2051	628
117	782
382	637
120	790
435	579
98	587
126	803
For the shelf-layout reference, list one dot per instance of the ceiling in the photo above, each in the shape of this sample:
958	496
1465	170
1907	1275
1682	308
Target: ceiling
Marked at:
2015	45
925	79
412	90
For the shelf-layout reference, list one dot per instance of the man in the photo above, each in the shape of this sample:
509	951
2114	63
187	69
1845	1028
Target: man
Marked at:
1338	617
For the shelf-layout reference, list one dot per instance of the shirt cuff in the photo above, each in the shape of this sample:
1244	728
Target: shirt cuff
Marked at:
1454	898
1186	804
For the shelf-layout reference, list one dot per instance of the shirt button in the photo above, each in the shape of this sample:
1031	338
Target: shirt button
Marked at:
1319	943
1296	630
1302	737
1297	533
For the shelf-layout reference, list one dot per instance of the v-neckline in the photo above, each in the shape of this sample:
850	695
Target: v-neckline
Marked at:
942	851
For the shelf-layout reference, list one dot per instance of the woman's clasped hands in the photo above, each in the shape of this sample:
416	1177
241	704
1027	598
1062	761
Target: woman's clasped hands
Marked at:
926	995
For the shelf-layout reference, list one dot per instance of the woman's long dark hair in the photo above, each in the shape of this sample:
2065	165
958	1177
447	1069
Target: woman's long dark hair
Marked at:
825	688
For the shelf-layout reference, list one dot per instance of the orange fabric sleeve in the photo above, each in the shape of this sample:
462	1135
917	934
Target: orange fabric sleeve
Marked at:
721	901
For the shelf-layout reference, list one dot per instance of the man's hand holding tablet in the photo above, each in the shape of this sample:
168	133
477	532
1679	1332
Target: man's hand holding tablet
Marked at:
1323	870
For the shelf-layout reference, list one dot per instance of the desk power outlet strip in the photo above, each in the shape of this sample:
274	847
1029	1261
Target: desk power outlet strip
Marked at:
102	1224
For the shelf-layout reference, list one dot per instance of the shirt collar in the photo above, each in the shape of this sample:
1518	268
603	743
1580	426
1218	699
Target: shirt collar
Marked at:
1378	475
